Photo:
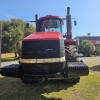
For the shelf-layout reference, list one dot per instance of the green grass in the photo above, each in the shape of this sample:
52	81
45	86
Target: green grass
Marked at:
9	59
87	89
94	56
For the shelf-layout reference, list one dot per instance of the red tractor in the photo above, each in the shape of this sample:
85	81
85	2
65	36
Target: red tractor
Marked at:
46	54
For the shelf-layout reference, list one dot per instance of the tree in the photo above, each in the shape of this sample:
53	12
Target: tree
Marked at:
12	34
97	51
86	47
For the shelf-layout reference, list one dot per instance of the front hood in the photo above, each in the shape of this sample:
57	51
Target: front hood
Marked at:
53	35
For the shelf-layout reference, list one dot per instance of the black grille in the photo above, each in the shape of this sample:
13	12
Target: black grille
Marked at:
42	49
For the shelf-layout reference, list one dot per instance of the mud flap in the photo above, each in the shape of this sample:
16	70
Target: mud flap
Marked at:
11	71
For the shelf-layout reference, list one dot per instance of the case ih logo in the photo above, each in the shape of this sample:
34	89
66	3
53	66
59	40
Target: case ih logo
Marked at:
95	42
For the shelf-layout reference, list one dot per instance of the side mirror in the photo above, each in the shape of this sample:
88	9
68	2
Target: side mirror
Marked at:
27	25
75	23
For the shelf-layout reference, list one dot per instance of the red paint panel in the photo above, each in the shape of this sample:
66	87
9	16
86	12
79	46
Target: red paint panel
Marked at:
53	35
70	42
95	42
49	16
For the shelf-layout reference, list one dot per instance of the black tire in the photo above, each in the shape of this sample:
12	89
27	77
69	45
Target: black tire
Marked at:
27	81
24	80
71	53
71	56
72	80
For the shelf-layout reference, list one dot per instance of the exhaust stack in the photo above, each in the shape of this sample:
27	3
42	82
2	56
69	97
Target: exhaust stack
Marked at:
69	24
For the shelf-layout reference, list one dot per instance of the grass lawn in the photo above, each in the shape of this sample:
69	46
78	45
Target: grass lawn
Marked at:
87	89
94	56
9	59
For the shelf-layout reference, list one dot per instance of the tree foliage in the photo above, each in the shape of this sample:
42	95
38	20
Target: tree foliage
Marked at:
97	51
13	32
86	47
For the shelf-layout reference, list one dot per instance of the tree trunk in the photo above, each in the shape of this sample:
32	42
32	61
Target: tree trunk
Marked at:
15	54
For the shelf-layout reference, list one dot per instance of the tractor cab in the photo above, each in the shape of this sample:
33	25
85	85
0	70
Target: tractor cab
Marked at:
50	23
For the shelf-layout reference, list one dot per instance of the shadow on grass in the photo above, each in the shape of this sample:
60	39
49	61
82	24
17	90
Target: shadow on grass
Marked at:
95	68
16	90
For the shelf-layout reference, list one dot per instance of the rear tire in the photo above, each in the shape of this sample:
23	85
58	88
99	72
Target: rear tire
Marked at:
71	56
71	53
72	80
24	80
27	81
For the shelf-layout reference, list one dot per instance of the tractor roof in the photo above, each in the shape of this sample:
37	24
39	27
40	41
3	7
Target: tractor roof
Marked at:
49	16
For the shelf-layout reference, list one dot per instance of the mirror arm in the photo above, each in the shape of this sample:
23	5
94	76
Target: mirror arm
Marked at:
63	18
30	21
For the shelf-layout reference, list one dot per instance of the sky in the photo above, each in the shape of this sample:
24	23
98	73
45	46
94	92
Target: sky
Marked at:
87	12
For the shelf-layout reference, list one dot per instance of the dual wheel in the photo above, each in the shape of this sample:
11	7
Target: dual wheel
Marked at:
71	56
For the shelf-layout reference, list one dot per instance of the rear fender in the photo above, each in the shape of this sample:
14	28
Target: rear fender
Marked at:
70	42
